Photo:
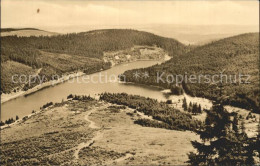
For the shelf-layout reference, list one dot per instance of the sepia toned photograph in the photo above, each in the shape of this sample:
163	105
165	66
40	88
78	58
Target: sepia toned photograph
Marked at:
130	82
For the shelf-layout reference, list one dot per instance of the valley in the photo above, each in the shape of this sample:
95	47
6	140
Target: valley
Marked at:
88	52
129	83
70	67
136	122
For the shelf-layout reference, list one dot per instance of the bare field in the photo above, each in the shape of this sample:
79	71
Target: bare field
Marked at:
28	33
91	133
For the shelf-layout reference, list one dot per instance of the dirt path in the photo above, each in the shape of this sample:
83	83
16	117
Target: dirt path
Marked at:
38	71
97	136
92	124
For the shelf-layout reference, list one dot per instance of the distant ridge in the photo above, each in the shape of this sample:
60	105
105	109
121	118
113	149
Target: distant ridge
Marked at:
25	32
17	29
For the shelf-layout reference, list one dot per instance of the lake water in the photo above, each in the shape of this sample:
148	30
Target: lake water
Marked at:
24	105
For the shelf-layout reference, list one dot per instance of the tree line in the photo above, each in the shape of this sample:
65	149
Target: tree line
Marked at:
193	108
9	121
224	140
171	117
80	97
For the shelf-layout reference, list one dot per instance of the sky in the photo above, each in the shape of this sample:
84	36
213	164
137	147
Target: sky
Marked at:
55	14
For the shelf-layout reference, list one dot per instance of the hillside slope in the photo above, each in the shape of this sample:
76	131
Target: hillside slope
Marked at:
61	54
230	56
91	133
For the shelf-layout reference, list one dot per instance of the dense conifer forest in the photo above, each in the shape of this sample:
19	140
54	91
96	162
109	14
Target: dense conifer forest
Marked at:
60	54
230	56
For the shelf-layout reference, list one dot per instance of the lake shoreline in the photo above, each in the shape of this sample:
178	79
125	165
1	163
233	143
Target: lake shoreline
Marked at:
14	95
251	127
8	97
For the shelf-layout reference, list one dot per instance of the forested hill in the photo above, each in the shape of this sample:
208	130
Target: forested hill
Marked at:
83	51
89	44
234	55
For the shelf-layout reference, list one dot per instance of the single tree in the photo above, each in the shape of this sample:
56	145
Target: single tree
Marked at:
184	104
199	109
220	144
195	109
2	123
